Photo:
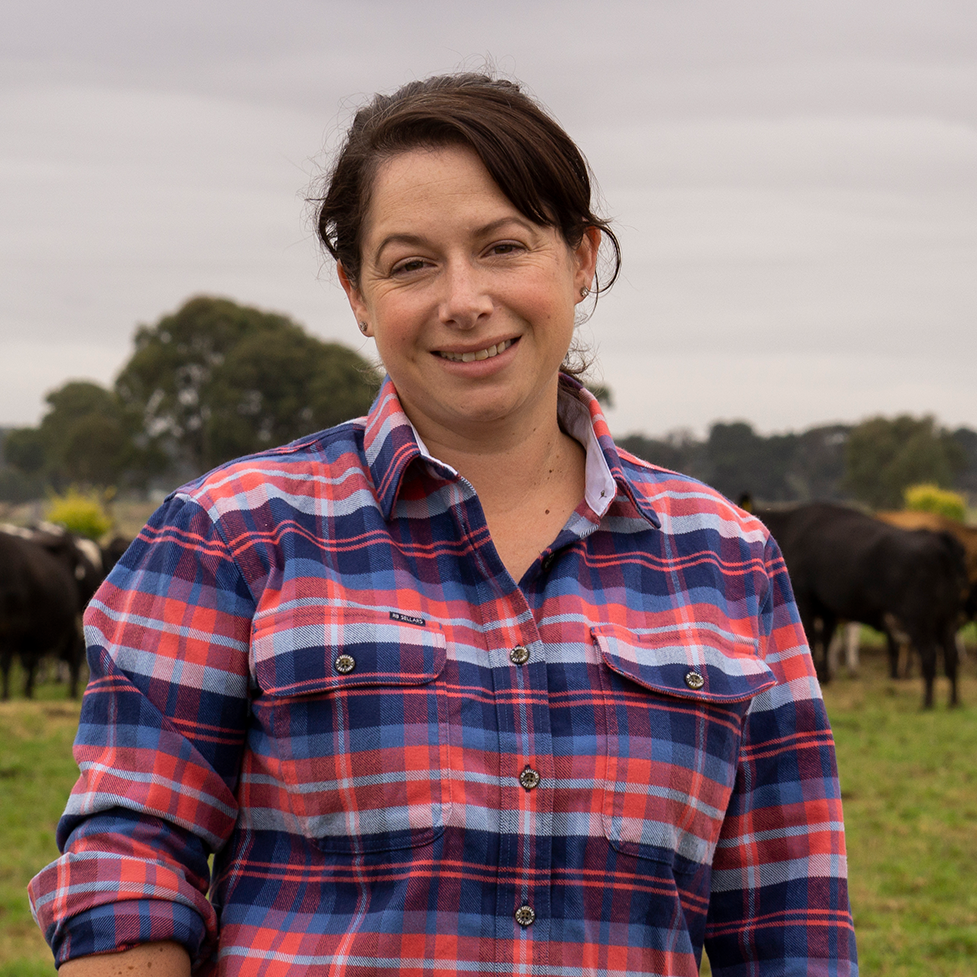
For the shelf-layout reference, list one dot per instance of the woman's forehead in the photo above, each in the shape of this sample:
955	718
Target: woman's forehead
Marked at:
432	185
422	164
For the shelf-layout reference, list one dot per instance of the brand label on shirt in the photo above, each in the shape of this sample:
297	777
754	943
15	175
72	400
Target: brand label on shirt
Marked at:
406	618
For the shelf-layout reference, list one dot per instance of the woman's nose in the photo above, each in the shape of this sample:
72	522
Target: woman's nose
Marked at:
465	299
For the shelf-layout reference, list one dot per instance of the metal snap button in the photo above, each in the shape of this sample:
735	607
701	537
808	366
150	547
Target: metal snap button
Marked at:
519	655
694	680
345	664
529	778
525	916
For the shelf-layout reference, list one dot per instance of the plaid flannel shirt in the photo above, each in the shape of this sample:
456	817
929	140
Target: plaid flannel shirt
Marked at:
313	663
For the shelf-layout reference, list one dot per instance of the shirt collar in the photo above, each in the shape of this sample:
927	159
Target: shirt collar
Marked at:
581	416
391	444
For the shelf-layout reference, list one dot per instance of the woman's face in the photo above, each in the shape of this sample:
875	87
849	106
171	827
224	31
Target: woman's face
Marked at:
471	304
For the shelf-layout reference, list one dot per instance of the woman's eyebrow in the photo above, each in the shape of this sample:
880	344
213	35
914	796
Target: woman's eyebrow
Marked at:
493	226
395	239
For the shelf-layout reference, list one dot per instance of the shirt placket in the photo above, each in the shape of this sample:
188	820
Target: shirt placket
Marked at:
526	764
527	774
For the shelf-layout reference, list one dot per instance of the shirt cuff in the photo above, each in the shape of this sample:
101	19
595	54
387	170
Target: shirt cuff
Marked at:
122	925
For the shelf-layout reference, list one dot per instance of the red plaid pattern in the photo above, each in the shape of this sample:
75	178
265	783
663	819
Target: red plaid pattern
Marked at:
313	663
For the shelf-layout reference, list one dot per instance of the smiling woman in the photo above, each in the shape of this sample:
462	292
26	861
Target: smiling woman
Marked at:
471	304
456	686
472	308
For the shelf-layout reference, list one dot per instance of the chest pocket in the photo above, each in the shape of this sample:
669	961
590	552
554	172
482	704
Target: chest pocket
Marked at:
674	705
357	717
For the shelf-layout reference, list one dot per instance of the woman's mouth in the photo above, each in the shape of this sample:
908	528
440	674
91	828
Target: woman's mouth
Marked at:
481	354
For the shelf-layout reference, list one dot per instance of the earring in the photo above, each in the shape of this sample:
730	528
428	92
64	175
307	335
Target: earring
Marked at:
584	291
363	327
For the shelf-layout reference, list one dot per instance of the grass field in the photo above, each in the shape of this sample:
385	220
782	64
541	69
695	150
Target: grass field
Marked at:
909	780
36	773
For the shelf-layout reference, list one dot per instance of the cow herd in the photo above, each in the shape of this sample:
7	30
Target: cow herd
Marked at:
915	581
910	575
47	576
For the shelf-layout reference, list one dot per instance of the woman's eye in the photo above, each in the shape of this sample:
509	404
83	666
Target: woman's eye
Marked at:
406	267
505	247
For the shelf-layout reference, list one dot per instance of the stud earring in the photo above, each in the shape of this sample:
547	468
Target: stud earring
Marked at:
363	327
584	291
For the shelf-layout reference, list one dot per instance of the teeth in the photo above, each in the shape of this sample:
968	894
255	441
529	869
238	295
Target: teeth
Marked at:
482	354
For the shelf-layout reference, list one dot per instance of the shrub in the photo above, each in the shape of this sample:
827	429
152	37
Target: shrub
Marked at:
931	498
80	513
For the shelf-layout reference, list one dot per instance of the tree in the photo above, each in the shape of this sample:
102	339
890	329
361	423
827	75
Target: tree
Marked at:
883	457
271	390
84	438
818	466
967	440
23	448
21	464
737	460
216	379
740	460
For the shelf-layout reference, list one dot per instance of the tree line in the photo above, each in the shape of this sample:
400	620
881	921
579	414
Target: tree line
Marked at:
873	462
207	383
215	380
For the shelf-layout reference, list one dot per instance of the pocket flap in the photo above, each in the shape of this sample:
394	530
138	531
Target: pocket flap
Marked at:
672	662
305	649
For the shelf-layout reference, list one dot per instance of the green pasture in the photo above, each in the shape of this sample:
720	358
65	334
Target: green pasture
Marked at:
909	780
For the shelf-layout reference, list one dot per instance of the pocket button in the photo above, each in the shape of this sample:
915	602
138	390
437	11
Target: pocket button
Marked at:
345	664
694	680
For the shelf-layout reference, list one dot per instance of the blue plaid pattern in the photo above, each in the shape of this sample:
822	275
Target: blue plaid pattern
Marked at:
313	663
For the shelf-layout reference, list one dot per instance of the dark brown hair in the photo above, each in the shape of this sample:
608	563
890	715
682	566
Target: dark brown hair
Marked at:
527	153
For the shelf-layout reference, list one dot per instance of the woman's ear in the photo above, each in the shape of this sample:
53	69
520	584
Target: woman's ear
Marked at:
355	298
585	256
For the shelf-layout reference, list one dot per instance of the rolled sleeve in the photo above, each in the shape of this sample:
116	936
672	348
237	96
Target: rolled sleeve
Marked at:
159	742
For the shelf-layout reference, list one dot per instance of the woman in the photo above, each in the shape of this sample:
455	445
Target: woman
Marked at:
457	686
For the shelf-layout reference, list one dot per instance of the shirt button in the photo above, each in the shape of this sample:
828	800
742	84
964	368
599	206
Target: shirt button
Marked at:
519	655
345	664
529	778
525	916
694	680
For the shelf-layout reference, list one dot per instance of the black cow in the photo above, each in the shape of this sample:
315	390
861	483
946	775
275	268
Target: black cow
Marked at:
45	581
845	565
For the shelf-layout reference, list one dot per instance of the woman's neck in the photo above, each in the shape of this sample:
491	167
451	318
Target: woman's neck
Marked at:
527	488
526	458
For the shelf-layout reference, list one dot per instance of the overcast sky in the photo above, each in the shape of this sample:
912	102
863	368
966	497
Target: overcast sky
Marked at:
794	184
